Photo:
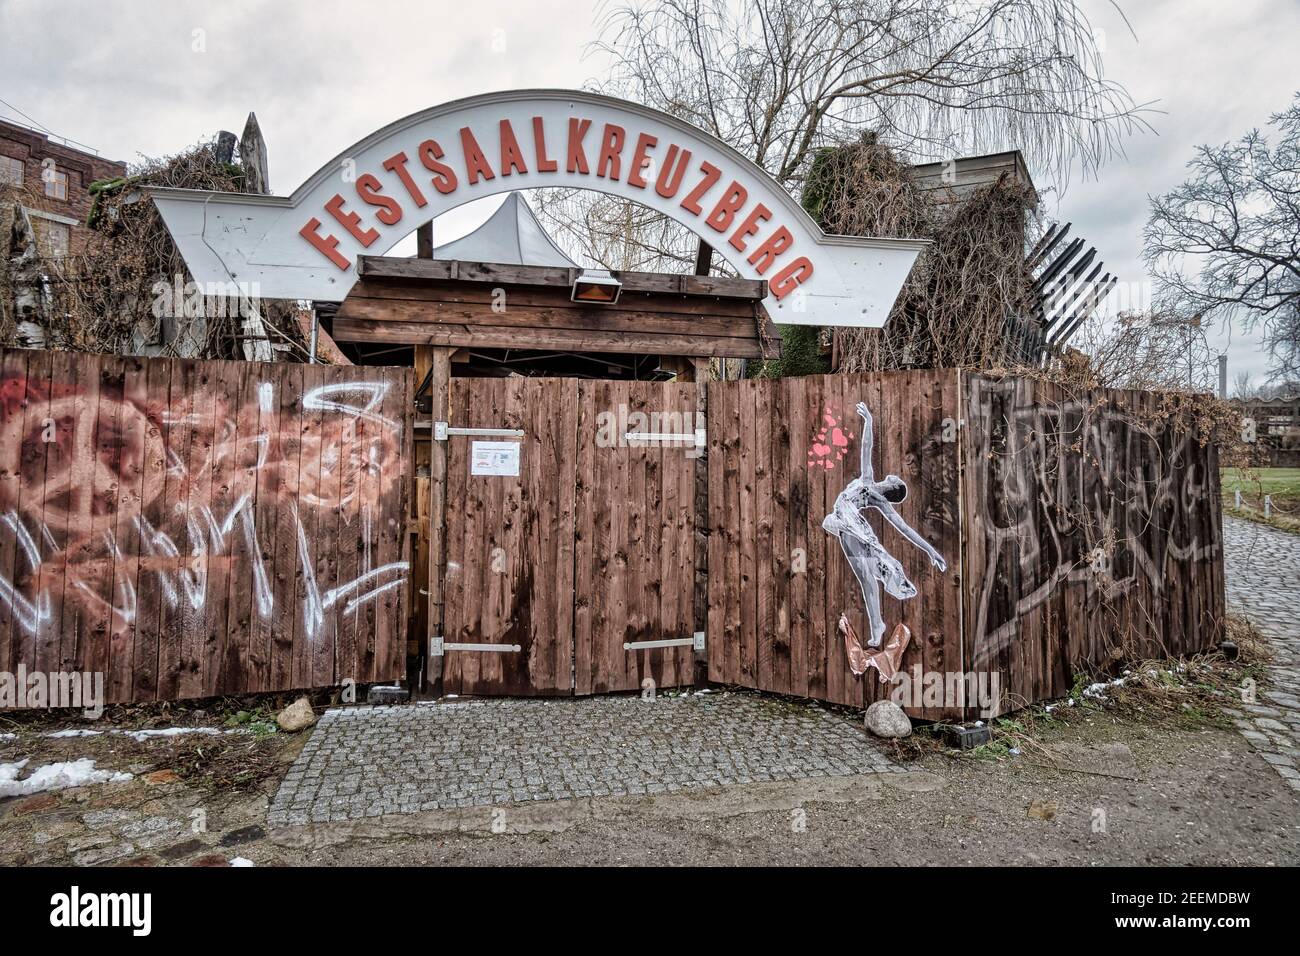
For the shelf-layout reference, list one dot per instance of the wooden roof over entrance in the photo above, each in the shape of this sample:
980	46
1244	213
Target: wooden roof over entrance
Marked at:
403	301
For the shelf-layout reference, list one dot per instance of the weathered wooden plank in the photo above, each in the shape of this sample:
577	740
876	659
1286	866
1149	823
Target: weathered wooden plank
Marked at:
168	541
715	502
134	432
389	660
18	609
394	267
285	456
49	416
614	629
764	582
192	579
564	340
238	663
800	416
715	316
588	491
356	634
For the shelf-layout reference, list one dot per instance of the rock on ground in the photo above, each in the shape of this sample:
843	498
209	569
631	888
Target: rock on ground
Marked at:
886	719
297	716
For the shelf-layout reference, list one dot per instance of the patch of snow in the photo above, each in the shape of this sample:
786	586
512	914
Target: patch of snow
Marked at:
1098	691
8	736
240	861
54	776
142	735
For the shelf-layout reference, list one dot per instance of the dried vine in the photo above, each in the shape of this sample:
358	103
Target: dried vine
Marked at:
117	293
953	310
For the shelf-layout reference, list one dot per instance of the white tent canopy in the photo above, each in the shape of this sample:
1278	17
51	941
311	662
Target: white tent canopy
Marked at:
511	236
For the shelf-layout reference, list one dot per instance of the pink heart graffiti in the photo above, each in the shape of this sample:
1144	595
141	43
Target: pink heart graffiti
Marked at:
830	444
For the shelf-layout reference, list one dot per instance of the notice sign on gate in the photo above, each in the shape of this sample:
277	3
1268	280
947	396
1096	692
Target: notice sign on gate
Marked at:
494	458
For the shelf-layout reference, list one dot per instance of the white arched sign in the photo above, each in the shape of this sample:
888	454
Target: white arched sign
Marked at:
374	194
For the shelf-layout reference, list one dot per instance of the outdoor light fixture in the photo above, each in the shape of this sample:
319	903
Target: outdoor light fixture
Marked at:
600	289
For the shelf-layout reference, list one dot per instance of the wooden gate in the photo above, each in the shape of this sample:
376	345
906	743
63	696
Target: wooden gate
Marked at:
508	547
549	574
195	528
635	558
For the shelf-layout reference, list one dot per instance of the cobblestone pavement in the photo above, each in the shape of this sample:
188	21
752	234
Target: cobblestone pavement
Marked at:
368	761
1262	578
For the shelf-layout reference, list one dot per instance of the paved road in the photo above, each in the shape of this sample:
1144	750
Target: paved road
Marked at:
1262	572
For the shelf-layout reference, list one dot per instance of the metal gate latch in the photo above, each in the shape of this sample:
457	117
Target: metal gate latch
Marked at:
697	642
438	647
698	438
442	431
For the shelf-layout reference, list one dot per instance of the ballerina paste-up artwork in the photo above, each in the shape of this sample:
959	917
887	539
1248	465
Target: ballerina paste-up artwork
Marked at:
872	565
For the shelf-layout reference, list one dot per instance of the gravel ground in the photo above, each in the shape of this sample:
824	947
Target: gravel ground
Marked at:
1137	795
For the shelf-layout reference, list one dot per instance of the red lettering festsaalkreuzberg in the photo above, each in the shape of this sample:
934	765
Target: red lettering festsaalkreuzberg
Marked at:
732	214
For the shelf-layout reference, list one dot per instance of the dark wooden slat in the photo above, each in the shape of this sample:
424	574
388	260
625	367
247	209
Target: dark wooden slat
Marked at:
286	622
49	406
719	315
393	267
15	560
568	340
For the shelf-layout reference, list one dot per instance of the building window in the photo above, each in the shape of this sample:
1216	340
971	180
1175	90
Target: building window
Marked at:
11	171
54	239
56	183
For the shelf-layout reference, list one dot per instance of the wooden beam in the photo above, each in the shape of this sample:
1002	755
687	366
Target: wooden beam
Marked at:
562	340
497	298
424	241
439	388
392	267
549	316
703	259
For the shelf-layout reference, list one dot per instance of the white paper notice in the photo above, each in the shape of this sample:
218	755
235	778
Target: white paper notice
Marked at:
494	458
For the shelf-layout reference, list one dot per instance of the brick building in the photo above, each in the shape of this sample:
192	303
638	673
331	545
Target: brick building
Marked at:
54	180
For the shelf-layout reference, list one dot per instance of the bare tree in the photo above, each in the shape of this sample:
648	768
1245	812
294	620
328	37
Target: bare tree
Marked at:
932	78
1243	385
778	81
1156	351
1226	242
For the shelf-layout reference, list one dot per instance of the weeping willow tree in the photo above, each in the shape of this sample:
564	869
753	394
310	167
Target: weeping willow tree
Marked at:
780	81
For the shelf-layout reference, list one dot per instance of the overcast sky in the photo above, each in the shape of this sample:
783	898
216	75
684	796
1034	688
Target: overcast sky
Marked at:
149	78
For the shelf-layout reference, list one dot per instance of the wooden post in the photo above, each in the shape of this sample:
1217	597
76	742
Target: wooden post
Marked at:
424	241
439	393
703	258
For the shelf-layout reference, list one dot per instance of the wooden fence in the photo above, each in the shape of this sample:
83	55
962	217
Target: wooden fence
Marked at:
1093	533
199	528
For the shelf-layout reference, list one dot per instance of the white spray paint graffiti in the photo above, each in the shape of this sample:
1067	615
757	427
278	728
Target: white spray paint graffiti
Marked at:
81	544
